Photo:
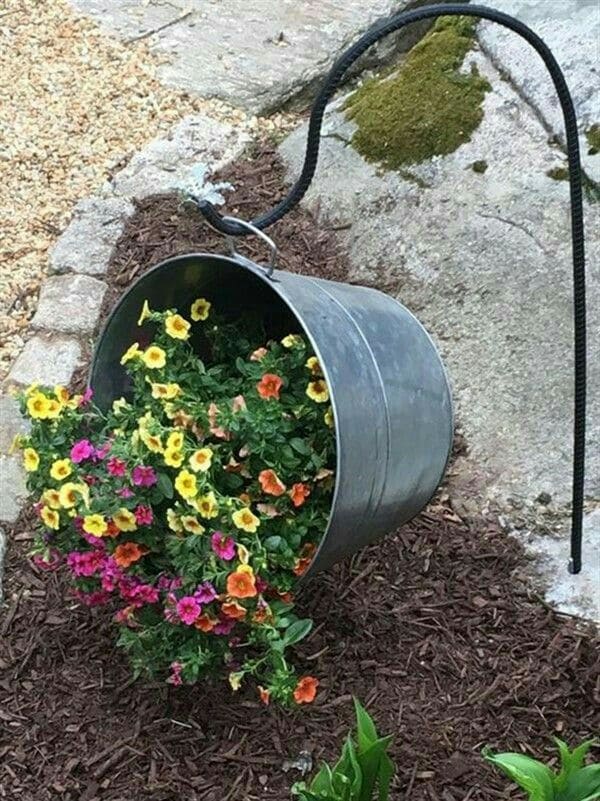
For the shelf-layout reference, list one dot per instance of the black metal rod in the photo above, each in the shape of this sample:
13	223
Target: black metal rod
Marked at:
298	190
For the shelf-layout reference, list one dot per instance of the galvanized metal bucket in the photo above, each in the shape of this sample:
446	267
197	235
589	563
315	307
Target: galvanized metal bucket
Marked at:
389	390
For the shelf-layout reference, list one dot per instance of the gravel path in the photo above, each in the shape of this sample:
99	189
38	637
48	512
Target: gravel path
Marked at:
74	106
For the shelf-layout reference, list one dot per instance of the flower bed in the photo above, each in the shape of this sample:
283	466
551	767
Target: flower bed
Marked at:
197	503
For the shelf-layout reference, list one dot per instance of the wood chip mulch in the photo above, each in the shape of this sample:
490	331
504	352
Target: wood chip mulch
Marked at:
434	629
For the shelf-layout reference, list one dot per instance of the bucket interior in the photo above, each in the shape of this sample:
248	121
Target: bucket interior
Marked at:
232	287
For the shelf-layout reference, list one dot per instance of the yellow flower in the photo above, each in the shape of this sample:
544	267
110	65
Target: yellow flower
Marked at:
133	352
328	417
313	365
154	357
95	525
200	309
245	568
175	441
50	517
38	406
119	405
52	498
235	681
177	327
31	389
317	391
124	520
151	441
70	493
54	409
173	520
60	469
62	394
201	460
243	555
145	313
165	391
192	525
31	460
207	505
185	484
291	341
245	520
173	457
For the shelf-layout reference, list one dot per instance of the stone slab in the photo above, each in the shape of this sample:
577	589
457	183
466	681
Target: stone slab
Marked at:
88	242
47	361
571	28
253	54
70	304
165	164
484	260
11	422
2	555
14	491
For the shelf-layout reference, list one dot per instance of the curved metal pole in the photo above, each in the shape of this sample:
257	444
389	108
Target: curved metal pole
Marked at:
298	190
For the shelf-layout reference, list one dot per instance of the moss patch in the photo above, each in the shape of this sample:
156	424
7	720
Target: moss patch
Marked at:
593	137
479	167
428	107
558	173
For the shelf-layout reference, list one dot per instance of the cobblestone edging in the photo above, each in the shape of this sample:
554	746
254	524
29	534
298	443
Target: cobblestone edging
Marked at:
71	296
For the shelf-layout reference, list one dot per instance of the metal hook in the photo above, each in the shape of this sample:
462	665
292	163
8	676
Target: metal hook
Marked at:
257	232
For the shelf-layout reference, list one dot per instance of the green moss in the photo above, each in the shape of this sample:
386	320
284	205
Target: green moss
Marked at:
558	173
593	136
427	107
479	167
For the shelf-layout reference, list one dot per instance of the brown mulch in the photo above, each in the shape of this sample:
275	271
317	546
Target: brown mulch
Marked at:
434	629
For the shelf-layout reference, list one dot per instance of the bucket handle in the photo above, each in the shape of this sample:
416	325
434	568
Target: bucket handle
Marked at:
226	225
252	229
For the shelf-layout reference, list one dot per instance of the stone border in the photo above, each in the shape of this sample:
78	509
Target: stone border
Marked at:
71	296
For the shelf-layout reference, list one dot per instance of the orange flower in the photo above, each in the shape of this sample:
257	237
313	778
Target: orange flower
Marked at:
269	386
128	553
258	354
205	623
245	498
241	585
306	690
271	483
286	597
233	610
265	695
112	529
306	556
299	493
262	615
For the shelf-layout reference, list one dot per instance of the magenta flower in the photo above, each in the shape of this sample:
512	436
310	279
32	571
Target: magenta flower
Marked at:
205	593
175	677
223	546
188	609
143	476
125	493
86	563
111	575
86	397
82	450
102	453
261	585
143	594
97	598
125	616
116	467
49	561
224	626
143	515
95	542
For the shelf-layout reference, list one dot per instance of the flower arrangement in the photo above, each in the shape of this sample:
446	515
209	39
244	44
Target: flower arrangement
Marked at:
195	504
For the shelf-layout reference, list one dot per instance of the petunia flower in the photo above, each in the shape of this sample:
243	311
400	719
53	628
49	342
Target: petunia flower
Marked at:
175	677
128	553
271	483
116	466
143	476
188	609
269	386
86	397
223	546
241	584
82	450
205	593
225	626
143	515
126	492
177	326
299	493
306	690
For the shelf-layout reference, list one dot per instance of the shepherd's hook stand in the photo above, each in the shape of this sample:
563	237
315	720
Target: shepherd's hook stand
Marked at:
231	227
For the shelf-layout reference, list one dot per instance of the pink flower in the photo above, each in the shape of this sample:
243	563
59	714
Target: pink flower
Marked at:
188	609
111	575
223	546
97	598
125	493
143	476
224	626
48	561
143	515
258	354
261	585
102	453
90	480
86	397
175	677
116	467
143	594
95	542
238	404
86	563
205	593
82	450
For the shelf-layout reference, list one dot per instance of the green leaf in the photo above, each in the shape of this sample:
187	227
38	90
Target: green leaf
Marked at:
273	543
583	785
370	764
323	781
528	773
297	631
165	485
571	761
300	446
386	774
365	727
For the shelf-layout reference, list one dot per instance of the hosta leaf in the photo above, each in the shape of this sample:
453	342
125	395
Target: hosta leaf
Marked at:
323	781
297	631
528	773
583	785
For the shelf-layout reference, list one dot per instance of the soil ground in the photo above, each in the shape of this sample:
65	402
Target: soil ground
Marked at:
435	629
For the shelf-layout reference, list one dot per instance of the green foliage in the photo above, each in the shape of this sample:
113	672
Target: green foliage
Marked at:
573	782
363	772
428	107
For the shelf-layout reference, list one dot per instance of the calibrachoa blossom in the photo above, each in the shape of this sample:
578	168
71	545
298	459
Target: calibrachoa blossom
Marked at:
193	505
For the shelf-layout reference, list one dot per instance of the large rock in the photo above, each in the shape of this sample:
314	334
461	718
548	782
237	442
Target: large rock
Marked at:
572	31
484	259
46	360
250	53
70	303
